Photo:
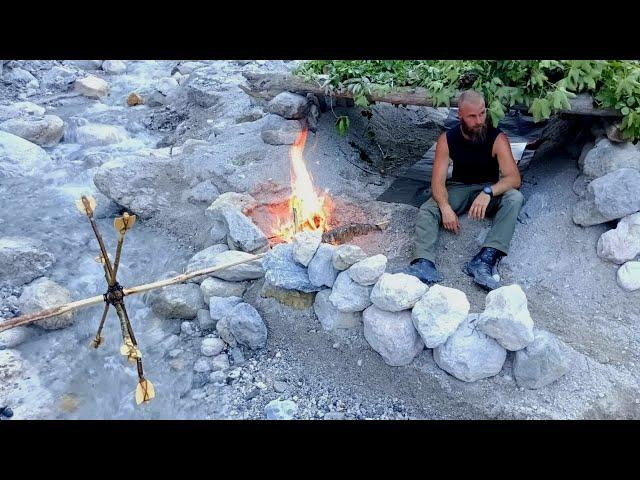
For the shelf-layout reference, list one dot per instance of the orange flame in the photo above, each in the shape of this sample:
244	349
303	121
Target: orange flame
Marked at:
308	211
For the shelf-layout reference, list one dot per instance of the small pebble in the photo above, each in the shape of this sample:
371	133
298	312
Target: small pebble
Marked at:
278	354
360	362
280	387
336	345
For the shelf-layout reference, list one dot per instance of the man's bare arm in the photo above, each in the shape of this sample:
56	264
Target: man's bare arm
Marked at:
439	173
510	173
438	185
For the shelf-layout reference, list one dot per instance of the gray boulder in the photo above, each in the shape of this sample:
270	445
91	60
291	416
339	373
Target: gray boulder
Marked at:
348	296
237	273
220	306
95	134
469	354
20	157
330	317
214	287
392	335
211	347
289	105
22	260
46	131
42	294
247	327
321	271
613	196
205	259
59	78
607	157
176	301
281	270
279	131
14	337
542	362
114	67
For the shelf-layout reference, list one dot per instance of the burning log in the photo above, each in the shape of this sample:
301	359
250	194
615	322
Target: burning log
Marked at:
346	233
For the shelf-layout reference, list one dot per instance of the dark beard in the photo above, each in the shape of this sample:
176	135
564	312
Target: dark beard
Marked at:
476	136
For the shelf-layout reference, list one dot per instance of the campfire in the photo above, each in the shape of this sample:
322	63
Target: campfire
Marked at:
306	209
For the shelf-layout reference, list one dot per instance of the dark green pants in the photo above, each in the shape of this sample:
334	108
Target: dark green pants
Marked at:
505	207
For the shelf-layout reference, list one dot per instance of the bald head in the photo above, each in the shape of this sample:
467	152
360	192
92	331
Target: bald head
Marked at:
470	97
473	115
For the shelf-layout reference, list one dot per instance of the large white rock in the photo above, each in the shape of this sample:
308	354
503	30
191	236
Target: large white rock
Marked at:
20	157
622	243
506	317
244	271
607	157
542	362
439	313
114	67
469	354
330	317
369	270
348	296
629	276
42	294
23	259
92	87
346	255
321	271
46	131
397	291
95	134
305	245
612	196
392	335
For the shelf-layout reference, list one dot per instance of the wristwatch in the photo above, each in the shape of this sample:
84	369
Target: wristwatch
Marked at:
487	190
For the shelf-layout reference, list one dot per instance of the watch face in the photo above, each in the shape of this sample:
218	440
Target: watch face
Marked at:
487	190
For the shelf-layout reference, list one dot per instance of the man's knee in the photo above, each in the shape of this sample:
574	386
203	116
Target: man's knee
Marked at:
513	197
430	206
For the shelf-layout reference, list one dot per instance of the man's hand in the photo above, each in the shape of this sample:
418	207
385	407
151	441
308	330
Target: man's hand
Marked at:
479	206
450	219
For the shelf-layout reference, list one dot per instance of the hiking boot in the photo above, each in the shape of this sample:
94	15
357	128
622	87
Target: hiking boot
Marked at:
481	267
424	270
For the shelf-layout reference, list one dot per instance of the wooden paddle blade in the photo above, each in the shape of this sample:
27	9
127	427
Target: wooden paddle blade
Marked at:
144	391
80	205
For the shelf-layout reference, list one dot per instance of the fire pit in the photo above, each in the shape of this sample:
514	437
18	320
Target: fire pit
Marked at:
283	212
